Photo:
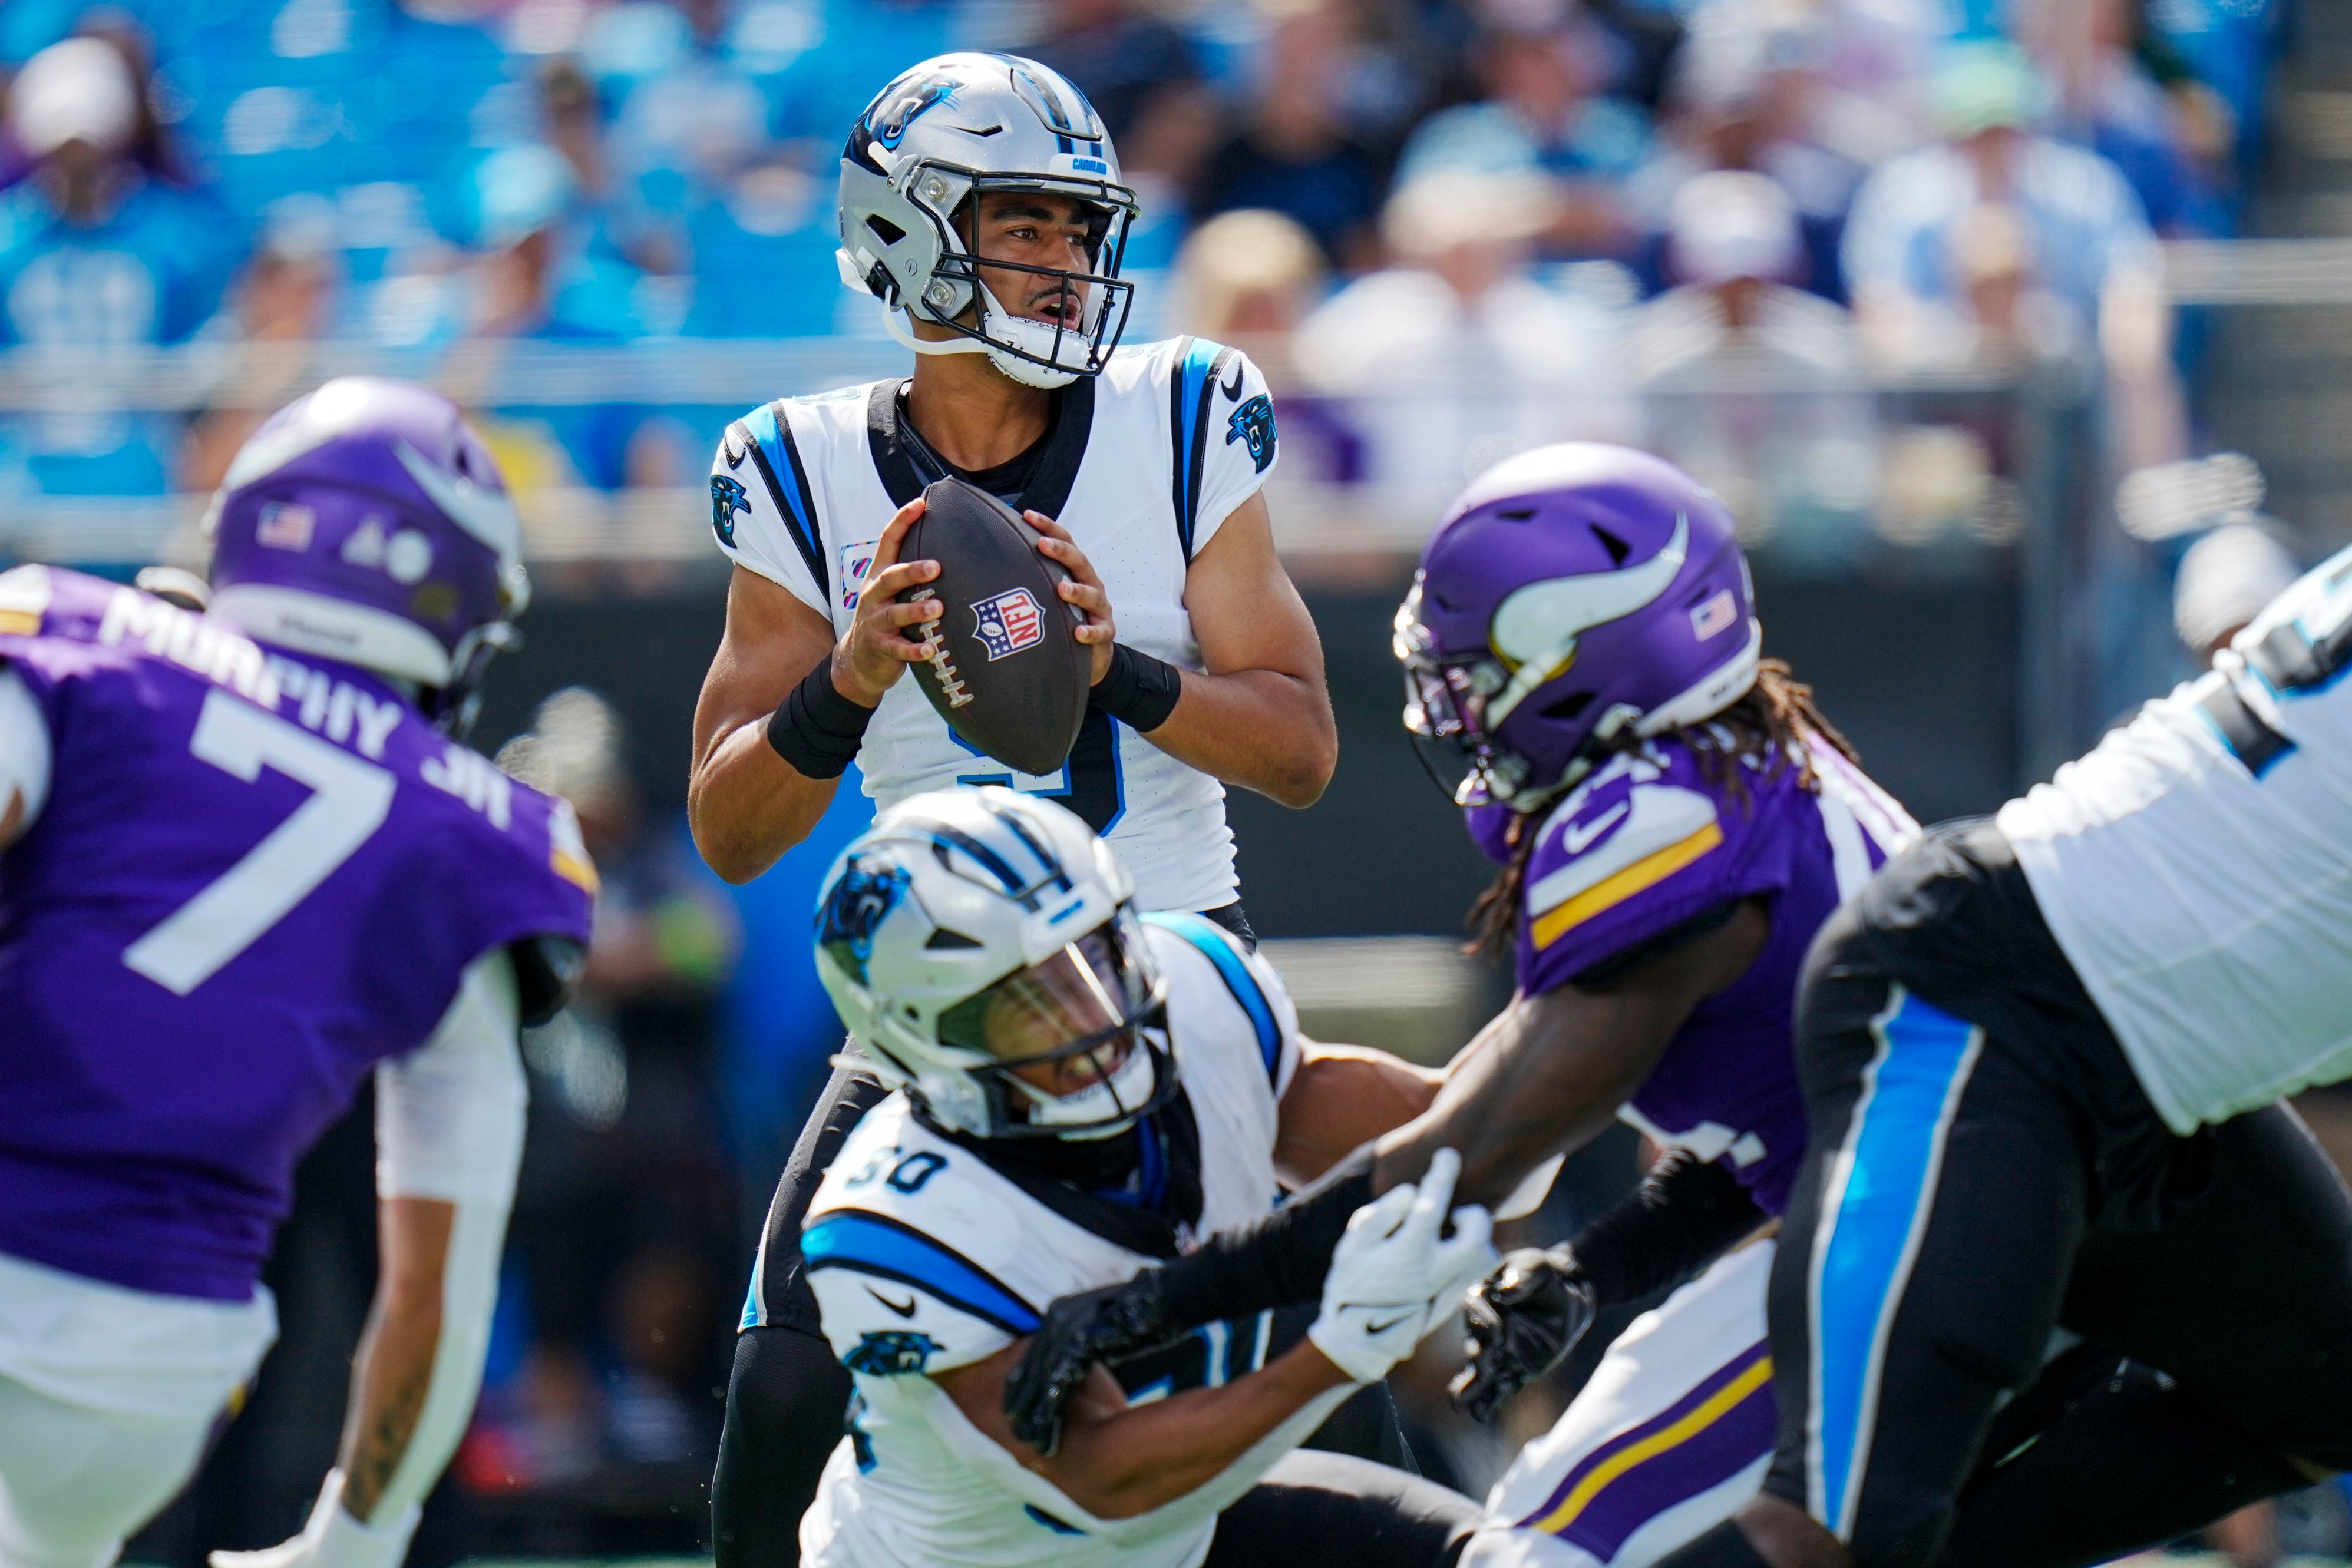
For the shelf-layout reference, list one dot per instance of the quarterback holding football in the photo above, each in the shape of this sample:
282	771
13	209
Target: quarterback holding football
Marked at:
982	204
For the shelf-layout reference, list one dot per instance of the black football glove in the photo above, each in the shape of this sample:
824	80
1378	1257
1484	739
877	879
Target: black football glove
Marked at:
1078	1331
1524	1318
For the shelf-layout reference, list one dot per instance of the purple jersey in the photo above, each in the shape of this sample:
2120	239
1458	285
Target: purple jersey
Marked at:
1648	842
255	877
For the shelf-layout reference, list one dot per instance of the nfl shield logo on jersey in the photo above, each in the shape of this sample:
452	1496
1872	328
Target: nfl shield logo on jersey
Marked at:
1009	623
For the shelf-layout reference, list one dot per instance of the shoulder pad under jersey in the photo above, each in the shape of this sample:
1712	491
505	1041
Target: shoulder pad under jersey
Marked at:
907	1247
1239	998
763	507
1643	845
1222	438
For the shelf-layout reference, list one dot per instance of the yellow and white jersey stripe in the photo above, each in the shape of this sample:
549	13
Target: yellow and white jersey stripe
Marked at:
1616	849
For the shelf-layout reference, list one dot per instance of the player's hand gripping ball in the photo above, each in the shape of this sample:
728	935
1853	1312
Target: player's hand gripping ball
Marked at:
1004	664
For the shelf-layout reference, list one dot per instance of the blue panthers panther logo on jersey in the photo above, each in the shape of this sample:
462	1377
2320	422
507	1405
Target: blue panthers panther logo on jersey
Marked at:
727	498
1254	422
891	1354
856	908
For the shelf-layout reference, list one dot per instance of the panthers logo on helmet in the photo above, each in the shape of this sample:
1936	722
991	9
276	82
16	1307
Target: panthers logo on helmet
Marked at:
901	104
860	900
727	498
892	1352
1254	422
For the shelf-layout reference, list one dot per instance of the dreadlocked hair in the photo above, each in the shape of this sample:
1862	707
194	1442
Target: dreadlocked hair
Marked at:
1763	732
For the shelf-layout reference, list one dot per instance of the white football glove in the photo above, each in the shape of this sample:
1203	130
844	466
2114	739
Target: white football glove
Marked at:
333	1539
1394	1276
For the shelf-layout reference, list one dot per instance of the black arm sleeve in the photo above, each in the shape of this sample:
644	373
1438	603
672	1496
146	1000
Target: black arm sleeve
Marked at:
1683	1214
1277	1261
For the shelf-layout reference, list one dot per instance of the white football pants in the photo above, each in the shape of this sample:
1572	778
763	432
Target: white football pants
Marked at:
1671	1436
76	1483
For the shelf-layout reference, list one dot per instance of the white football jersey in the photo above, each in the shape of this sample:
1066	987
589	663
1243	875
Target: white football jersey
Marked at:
1145	463
925	1258
2197	866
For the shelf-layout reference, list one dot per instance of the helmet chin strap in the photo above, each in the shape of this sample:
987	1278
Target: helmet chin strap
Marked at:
895	321
1000	354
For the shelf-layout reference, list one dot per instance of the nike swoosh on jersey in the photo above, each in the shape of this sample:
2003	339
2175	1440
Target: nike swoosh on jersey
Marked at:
1576	837
1383	1328
1659	815
905	1310
1232	389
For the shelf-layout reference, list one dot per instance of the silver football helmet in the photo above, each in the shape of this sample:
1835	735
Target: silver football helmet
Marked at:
983	946
954	127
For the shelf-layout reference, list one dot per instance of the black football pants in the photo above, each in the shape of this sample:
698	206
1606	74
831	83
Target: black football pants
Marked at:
1984	1171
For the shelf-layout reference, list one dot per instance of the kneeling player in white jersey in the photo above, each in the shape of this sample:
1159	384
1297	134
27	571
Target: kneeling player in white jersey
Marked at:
980	204
1079	1092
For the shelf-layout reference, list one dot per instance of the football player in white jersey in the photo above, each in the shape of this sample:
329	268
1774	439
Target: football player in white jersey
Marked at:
2042	1057
1077	1093
982	204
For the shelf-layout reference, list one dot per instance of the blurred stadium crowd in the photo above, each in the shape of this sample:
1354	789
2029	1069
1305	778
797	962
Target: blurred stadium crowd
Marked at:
1450	229
1551	216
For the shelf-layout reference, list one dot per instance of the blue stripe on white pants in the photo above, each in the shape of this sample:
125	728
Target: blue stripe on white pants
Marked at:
1875	1210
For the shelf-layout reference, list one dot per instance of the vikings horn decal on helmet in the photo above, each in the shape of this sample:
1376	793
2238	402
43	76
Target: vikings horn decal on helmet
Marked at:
945	132
366	523
1575	599
961	906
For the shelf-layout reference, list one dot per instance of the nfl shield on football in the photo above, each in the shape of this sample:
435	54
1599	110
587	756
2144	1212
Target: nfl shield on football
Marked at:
1004	666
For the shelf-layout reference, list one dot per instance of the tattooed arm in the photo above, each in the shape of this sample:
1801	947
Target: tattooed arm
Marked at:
420	1361
449	1122
393	1374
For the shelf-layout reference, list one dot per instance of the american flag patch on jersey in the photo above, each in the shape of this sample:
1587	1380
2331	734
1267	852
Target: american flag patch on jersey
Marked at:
1009	623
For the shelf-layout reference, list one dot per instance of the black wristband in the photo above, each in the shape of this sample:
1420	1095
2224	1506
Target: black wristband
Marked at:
1277	1261
1139	690
817	729
1683	1214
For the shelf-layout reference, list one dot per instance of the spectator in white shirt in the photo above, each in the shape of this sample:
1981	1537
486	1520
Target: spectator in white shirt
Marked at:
1456	357
1756	386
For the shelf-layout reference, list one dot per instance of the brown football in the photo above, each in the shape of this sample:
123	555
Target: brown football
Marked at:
1006	669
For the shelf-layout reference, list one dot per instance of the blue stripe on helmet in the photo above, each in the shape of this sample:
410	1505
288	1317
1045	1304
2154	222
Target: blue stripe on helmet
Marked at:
995	865
1054	871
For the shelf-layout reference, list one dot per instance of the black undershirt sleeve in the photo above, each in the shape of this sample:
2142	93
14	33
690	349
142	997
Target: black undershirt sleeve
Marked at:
1278	1261
1684	1214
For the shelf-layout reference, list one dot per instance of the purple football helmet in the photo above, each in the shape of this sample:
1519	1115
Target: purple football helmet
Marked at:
1575	599
366	523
